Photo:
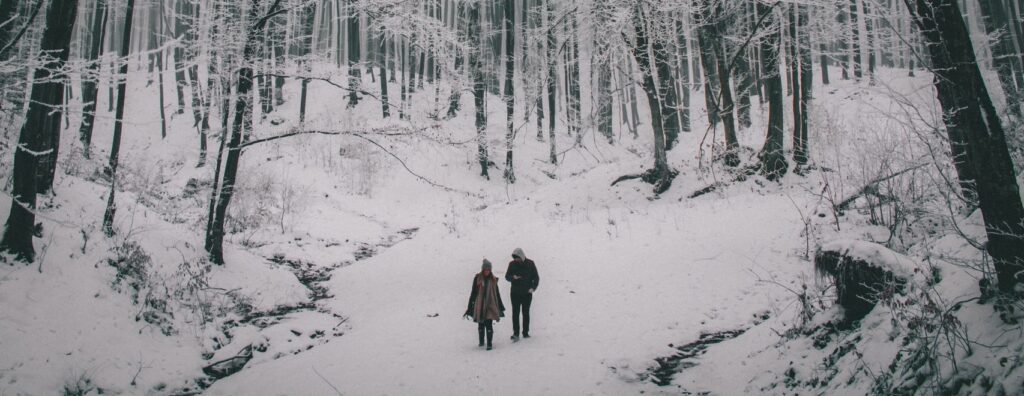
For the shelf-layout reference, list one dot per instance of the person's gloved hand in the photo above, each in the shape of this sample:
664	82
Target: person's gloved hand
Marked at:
467	316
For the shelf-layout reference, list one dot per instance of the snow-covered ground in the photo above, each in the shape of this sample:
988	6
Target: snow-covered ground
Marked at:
625	275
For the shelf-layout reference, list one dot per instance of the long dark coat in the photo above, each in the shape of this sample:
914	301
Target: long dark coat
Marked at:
485	299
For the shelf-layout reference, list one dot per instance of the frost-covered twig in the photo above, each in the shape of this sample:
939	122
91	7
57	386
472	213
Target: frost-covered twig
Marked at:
325	380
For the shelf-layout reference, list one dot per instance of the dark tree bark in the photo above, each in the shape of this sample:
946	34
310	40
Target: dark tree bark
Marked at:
711	36
215	232
385	106
552	58
871	37
573	77
705	39
801	82
744	88
199	115
160	93
455	98
180	31
510	92
973	125
660	175
8	13
600	60
90	77
823	48
855	41
667	90
354	56
115	146
403	83
278	41
47	94
684	75
1005	59
773	160
844	39
309	16
479	86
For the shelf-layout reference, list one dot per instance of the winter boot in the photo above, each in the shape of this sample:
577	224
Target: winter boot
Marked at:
481	333
490	337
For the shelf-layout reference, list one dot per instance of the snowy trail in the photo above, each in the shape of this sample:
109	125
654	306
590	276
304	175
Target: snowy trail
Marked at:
616	289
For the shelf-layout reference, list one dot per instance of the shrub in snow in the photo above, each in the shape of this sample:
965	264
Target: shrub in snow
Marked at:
79	385
862	272
132	265
253	203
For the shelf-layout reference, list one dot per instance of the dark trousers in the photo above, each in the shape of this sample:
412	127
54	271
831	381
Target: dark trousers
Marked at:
485	328
521	302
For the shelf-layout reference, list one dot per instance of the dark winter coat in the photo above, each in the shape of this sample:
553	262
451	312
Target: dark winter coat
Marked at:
485	299
528	277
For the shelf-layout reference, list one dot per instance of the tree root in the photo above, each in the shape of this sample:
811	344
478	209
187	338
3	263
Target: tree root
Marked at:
662	180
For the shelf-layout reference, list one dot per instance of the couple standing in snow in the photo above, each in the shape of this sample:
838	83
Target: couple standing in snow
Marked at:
485	306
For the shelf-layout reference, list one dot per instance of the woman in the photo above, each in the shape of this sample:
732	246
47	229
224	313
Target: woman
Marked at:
485	305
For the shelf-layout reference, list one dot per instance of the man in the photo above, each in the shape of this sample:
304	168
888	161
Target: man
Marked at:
522	272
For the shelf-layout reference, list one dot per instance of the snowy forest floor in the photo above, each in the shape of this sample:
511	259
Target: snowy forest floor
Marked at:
345	272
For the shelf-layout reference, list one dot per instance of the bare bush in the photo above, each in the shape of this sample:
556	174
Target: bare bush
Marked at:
254	202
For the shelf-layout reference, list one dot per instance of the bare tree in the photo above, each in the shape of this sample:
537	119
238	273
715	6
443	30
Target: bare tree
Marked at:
47	95
972	124
115	146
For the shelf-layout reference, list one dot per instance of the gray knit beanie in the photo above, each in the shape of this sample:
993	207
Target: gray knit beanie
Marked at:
486	265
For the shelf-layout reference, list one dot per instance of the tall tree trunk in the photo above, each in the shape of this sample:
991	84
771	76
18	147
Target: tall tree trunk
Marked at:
634	112
744	88
510	92
1005	58
552	58
806	71
115	146
47	94
711	36
306	30
476	71
773	160
844	39
872	41
455	98
215	232
180	32
575	122
684	75
201	123
277	42
385	106
801	69
90	77
667	89
354	56
823	49
661	175
160	94
855	41
707	63
983	159
403	84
